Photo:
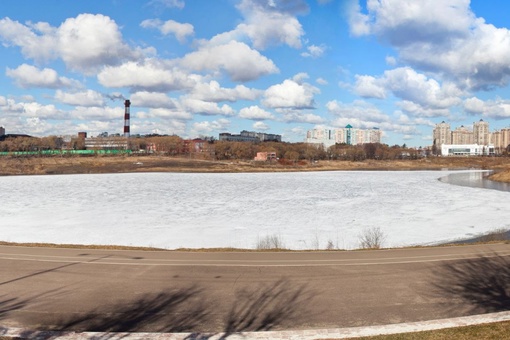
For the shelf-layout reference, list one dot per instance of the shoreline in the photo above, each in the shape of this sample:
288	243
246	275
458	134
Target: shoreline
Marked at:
56	165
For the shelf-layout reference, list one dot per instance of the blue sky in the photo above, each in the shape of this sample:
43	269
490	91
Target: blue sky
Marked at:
201	67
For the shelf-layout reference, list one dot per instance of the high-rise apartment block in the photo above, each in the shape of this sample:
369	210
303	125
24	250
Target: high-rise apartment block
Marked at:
2	131
463	138
442	134
347	135
462	135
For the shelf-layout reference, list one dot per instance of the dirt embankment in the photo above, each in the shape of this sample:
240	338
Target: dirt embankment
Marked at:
123	164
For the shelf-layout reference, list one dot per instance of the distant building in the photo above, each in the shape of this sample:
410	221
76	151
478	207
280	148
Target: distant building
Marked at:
249	136
2	131
106	143
348	135
265	156
462	135
481	134
467	150
442	134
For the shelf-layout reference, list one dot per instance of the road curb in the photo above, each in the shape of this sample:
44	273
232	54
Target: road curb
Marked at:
313	334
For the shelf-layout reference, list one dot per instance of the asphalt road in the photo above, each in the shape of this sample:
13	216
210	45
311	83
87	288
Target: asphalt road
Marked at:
106	290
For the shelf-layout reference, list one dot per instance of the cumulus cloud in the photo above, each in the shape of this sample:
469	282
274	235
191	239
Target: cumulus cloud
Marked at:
267	23
84	43
212	91
237	59
495	109
441	36
291	94
314	51
179	30
150	75
28	76
419	93
152	100
168	3
260	126
299	117
255	113
206	108
208	127
360	110
82	98
175	114
99	113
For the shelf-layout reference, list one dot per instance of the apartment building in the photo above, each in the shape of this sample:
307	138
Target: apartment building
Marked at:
462	135
481	133
442	134
348	135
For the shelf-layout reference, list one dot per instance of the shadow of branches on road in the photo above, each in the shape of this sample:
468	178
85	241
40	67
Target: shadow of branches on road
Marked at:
267	307
483	283
179	310
190	310
8	305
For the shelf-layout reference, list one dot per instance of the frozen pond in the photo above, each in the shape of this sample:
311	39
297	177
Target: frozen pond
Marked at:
305	210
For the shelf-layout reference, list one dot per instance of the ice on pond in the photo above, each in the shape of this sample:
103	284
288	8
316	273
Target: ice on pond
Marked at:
192	210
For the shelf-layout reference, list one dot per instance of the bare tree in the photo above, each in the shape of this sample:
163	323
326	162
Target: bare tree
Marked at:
371	238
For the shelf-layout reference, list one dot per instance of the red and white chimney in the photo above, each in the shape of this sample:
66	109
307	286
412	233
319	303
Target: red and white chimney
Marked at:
127	104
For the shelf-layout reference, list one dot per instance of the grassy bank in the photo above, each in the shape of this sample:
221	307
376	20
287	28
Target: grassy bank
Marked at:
124	164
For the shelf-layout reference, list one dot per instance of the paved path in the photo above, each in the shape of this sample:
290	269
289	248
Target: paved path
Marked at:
134	291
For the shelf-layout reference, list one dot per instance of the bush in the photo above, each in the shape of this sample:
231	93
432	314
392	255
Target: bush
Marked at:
371	238
495	235
270	242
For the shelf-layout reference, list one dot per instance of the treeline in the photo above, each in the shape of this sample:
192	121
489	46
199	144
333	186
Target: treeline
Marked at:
225	150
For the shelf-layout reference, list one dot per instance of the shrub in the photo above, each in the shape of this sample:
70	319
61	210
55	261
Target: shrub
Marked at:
371	238
270	242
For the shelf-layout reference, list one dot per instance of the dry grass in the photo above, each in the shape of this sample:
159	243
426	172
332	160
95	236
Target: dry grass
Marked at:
492	331
135	163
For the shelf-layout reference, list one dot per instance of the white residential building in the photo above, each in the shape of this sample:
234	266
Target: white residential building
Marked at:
347	135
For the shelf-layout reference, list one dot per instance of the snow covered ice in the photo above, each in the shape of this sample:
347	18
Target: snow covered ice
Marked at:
196	210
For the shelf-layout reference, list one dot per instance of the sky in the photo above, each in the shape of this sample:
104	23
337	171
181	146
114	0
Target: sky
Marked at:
199	67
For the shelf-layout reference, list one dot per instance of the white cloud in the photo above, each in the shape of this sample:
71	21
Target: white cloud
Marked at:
255	113
369	87
290	94
175	114
314	51
260	126
28	76
152	100
321	81
267	25
495	109
206	108
359	110
237	59
168	3
208	127
180	30
440	36
420	94
102	114
85	43
151	75
213	92
83	98
298	117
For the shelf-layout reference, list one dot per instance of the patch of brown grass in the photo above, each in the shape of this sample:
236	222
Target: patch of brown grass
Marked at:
491	331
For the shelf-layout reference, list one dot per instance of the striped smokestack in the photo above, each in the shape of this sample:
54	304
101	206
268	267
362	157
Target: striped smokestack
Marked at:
127	104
